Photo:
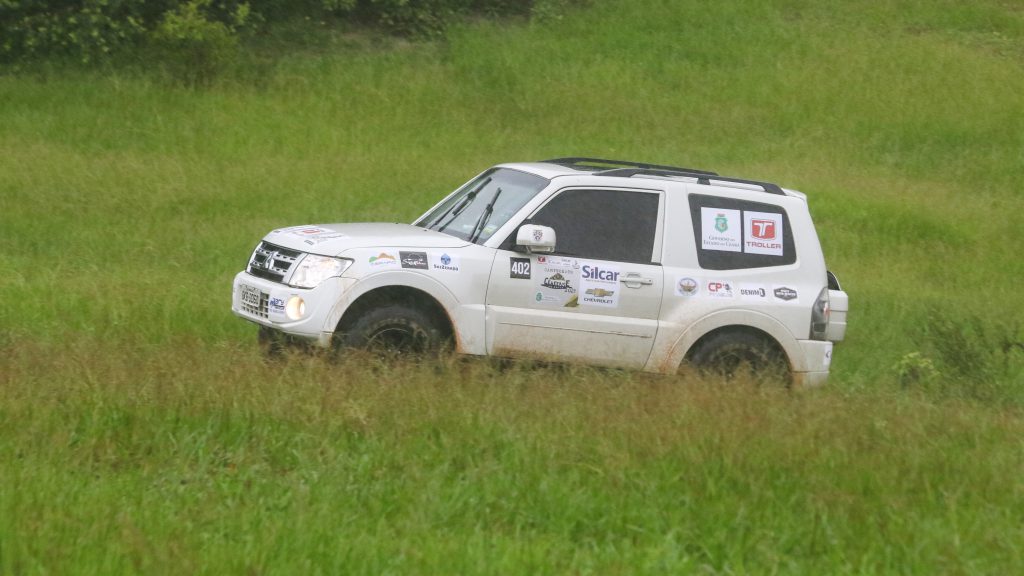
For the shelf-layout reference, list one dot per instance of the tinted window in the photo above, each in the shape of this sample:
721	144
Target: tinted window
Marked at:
733	234
603	224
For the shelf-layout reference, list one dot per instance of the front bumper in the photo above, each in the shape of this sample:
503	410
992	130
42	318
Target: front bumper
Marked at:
321	313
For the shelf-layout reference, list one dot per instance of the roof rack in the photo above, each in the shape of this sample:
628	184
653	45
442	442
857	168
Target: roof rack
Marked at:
580	162
704	178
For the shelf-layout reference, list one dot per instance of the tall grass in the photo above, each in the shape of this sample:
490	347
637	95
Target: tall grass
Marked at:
139	432
198	459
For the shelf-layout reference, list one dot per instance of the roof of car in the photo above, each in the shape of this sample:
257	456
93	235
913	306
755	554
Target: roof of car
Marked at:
626	169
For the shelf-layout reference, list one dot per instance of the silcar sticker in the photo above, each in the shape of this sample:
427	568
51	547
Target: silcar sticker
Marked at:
719	289
763	233
687	286
382	260
556	281
445	262
415	260
720	229
599	285
519	268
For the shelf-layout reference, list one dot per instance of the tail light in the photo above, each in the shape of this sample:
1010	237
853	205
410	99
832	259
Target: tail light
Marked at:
819	315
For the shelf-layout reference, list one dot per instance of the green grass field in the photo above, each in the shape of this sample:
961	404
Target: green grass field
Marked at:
140	432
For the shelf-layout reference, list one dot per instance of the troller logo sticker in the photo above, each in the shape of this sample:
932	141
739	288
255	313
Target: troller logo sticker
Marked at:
763	233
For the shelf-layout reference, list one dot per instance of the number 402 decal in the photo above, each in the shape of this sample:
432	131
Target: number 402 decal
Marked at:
519	268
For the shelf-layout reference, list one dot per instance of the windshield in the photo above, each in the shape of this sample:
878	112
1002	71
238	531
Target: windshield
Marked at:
479	208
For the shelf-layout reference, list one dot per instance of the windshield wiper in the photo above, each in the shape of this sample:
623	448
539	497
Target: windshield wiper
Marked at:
484	217
460	206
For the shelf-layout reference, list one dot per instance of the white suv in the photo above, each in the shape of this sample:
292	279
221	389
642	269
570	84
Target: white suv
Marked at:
574	259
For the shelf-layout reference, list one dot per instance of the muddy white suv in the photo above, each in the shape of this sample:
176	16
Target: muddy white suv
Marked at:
575	259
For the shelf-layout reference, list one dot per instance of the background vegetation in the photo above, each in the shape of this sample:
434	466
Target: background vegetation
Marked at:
140	431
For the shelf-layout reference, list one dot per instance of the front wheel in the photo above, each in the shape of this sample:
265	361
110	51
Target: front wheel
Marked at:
394	330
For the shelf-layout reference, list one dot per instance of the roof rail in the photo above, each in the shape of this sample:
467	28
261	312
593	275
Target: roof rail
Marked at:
702	177
580	162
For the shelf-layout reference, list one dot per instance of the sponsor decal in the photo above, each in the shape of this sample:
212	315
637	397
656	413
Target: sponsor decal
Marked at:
719	289
687	286
763	233
720	229
311	235
556	280
538	235
276	304
785	293
416	260
383	259
519	268
599	284
753	291
445	262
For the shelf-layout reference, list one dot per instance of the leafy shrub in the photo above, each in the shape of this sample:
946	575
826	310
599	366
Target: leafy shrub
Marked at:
194	48
85	30
913	369
203	33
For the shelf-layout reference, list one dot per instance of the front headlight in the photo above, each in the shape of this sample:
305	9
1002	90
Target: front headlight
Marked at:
313	270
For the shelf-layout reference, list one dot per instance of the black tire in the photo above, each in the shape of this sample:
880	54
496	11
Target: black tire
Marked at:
394	330
732	354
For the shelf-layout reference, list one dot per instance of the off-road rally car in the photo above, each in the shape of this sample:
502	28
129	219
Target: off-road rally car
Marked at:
604	262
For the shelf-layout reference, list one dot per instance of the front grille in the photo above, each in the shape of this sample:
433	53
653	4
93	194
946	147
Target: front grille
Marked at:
272	262
260	310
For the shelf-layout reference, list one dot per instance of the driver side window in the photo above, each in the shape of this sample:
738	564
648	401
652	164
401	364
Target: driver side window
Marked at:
612	225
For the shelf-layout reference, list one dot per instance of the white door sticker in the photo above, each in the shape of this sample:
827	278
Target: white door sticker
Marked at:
686	286
599	285
556	280
720	229
763	233
719	289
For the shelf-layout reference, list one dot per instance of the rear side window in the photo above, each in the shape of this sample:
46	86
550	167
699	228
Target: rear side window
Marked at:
732	234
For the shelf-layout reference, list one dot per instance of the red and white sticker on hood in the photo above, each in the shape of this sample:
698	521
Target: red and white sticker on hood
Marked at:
311	235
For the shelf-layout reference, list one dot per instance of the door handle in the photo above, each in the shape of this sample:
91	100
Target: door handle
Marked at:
631	279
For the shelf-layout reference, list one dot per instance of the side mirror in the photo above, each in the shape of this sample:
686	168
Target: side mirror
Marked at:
534	238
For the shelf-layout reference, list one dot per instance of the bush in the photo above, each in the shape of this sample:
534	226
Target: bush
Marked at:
193	48
85	30
204	34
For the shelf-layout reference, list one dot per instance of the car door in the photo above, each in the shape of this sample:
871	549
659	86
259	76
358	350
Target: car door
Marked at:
597	298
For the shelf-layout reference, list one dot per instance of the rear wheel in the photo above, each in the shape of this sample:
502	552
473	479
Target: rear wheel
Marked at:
735	354
395	330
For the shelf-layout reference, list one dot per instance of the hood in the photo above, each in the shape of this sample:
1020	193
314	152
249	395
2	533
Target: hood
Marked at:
333	239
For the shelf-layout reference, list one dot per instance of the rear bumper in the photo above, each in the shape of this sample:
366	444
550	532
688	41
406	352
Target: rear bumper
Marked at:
812	368
809	379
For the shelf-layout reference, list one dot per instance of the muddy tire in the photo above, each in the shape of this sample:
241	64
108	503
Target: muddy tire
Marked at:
395	330
732	355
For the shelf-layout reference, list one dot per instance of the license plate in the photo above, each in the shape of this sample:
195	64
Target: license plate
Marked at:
251	296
